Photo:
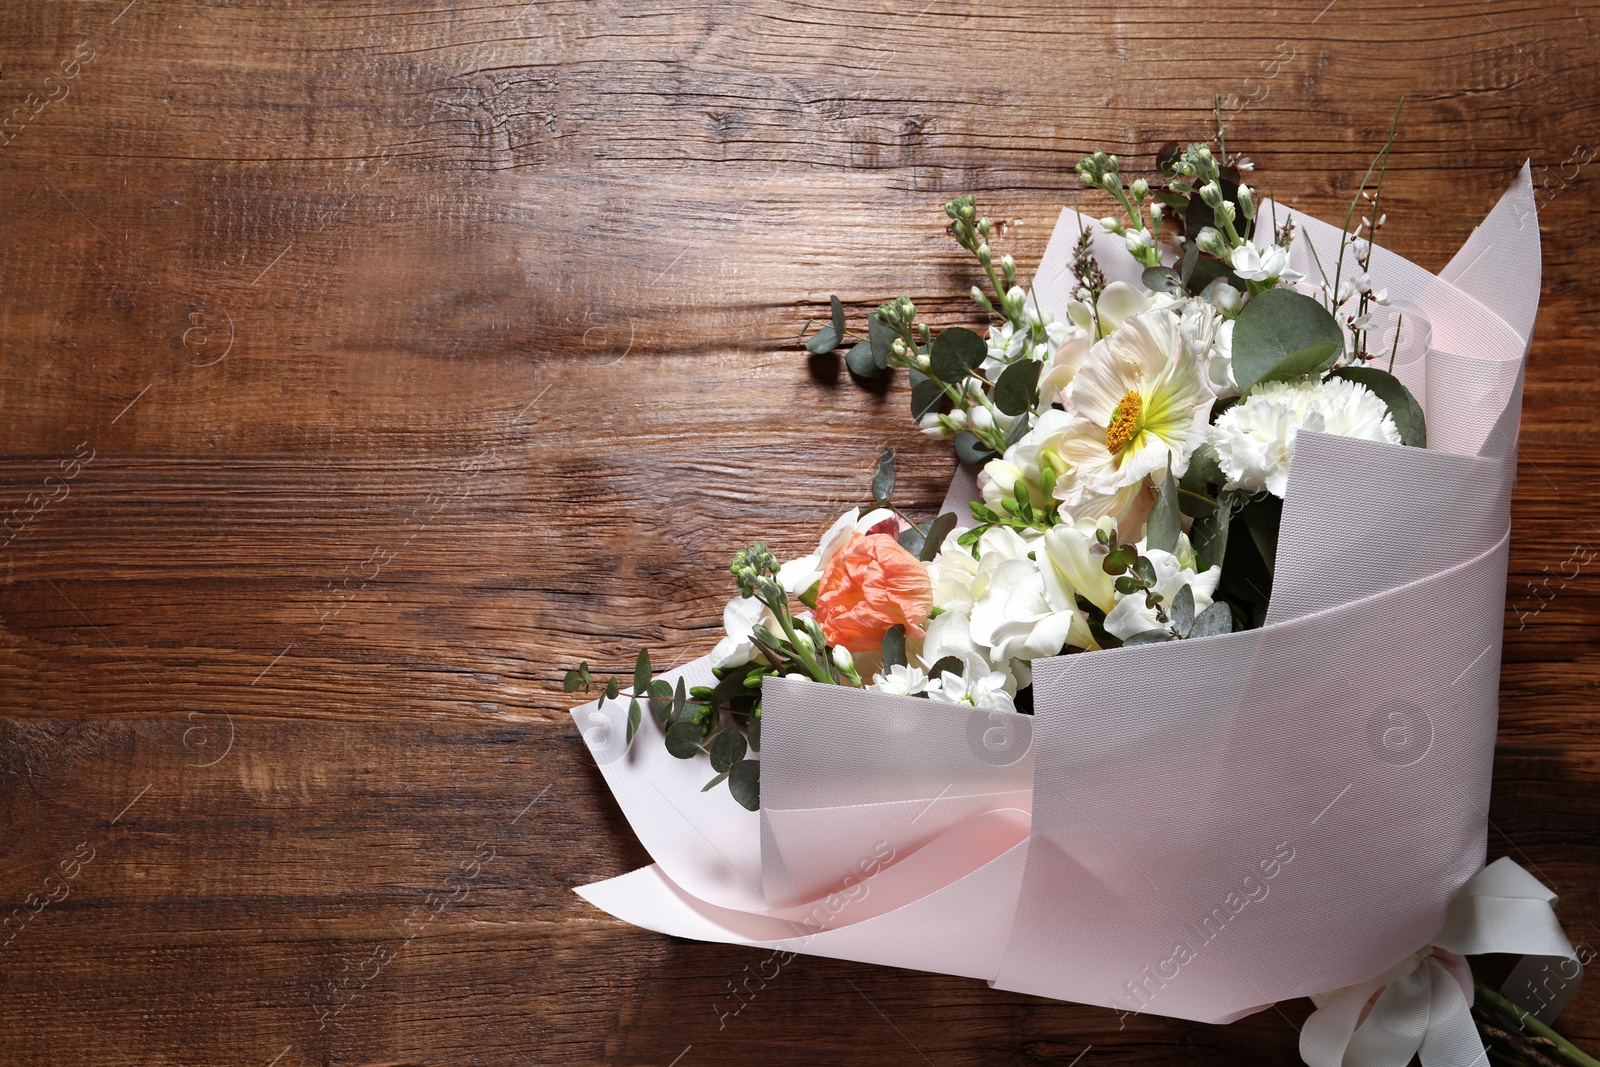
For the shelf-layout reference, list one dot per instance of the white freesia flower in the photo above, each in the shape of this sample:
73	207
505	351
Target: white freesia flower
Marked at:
739	620
1118	303
1263	264
1139	403
981	691
1069	550
1134	613
799	575
1254	440
901	681
1039	616
950	635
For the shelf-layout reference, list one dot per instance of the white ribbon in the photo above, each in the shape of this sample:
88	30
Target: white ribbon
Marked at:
1423	1005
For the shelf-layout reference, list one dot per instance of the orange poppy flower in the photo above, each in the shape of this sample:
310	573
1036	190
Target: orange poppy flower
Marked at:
870	585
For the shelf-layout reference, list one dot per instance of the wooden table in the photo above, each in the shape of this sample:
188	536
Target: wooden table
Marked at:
368	364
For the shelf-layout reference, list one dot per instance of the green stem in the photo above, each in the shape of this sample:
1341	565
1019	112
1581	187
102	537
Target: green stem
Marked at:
1564	1048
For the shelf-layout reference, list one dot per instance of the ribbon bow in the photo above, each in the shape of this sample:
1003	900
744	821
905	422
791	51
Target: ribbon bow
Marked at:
1422	1006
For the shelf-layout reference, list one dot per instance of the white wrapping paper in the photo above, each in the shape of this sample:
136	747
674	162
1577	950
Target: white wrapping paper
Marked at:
1196	829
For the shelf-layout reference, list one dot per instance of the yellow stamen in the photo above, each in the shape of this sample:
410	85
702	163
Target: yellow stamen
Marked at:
1125	422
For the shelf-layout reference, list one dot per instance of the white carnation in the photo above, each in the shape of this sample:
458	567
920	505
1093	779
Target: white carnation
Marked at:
1254	440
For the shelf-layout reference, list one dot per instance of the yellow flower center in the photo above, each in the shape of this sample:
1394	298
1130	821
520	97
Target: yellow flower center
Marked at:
1125	422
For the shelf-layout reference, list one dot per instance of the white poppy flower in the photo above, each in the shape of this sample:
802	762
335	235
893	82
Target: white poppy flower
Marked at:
1139	405
1118	303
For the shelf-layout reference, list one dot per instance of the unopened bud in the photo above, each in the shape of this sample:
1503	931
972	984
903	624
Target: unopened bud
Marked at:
1141	188
1211	193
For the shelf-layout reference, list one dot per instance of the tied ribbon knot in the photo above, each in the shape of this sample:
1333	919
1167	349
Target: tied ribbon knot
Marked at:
1422	1006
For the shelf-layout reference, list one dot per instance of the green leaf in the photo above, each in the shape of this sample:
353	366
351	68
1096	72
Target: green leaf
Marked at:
862	365
894	647
1162	280
1165	522
1215	620
1181	611
972	451
744	782
1209	269
1276	326
680	700
1403	407
881	338
925	394
683	739
955	353
660	699
937	532
1129	584
838	315
948	665
1148	637
634	718
1309	360
728	687
641	673
913	537
1018	387
1145	571
611	689
823	341
1191	256
1261	519
572	682
727	748
1019	430
754	728
1119	559
883	477
1209	535
718	780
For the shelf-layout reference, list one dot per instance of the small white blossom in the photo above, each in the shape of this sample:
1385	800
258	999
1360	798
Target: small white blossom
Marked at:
987	691
901	681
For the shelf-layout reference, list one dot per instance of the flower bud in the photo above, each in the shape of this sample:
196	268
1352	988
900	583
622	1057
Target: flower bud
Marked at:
980	419
1141	188
1211	193
984	255
1247	201
843	660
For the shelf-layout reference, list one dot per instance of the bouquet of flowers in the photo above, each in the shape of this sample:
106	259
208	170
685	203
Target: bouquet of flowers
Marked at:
1185	703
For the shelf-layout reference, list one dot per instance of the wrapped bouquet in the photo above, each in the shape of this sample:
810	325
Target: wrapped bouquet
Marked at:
1185	703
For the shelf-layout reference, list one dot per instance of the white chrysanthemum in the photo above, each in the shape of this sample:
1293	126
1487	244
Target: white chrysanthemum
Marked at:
983	691
1254	440
901	681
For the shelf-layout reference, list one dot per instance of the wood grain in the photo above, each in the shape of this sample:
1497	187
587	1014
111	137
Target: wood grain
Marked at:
406	353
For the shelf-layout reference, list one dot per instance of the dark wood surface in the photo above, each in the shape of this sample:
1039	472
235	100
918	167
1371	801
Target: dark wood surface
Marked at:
411	352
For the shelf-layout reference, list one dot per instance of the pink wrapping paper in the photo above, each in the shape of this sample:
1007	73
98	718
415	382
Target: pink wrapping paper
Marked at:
1197	829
